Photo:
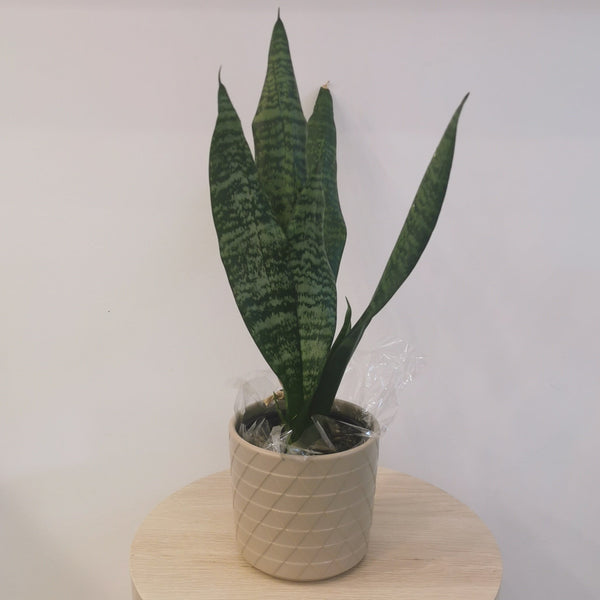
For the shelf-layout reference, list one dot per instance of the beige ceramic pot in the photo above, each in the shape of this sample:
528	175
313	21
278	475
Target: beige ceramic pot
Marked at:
304	518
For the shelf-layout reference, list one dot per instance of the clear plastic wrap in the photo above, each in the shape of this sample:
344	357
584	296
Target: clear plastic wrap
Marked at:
373	382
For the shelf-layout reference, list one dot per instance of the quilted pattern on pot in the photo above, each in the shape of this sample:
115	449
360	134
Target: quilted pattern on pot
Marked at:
302	518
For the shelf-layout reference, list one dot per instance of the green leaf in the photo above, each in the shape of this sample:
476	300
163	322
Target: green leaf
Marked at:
279	130
334	369
253	249
414	236
420	221
321	161
315	286
346	326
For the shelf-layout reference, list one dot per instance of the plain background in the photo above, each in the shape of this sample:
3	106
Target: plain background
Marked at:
120	343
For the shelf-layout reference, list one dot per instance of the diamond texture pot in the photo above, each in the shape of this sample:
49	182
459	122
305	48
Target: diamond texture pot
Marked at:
304	518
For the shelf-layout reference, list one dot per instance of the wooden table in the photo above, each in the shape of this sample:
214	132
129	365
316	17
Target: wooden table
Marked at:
424	545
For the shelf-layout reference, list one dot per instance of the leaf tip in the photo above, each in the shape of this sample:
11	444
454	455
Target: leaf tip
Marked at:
279	26
458	111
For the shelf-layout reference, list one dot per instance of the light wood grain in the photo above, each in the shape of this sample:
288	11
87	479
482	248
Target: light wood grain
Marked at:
424	545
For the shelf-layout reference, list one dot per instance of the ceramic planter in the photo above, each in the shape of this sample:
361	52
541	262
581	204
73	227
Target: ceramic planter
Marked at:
304	518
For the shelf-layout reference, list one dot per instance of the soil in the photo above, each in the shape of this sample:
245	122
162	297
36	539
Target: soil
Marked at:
344	432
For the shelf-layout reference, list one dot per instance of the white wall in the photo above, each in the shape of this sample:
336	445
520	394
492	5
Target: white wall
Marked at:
120	342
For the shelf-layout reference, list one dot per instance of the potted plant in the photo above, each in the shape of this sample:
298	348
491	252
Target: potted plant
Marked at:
281	235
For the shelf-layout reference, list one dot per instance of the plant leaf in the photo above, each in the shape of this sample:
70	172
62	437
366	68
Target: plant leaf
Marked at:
321	161
334	369
421	219
315	286
279	130
414	236
346	326
253	249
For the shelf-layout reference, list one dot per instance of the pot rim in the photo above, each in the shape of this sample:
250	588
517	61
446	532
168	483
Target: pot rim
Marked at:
342	404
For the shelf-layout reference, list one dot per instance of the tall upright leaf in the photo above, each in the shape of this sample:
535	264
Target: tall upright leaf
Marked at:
279	130
414	236
315	286
253	249
321	161
421	219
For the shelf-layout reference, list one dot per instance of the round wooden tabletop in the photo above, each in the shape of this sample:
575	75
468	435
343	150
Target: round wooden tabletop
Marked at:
424	545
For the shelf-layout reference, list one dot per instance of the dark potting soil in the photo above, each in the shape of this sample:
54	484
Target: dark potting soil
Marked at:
343	432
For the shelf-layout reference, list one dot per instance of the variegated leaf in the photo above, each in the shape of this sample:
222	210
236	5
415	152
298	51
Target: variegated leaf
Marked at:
254	250
315	285
414	236
421	219
321	161
279	130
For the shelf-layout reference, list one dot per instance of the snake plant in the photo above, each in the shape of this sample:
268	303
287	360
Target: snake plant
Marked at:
281	234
